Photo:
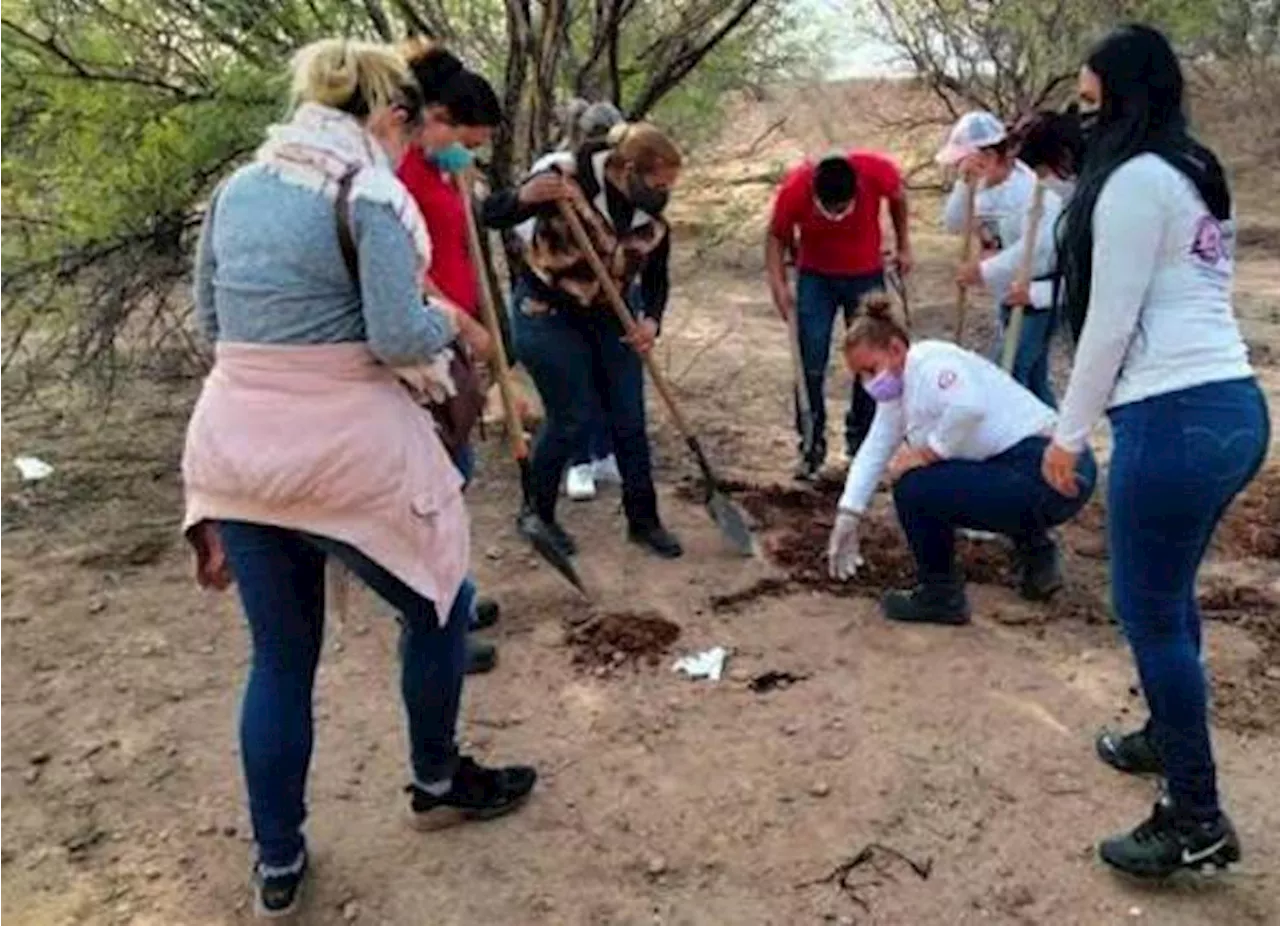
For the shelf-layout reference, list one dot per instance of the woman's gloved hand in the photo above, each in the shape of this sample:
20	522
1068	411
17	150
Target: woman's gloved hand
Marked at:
843	553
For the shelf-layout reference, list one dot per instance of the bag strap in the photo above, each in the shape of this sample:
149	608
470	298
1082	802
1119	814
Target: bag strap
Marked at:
342	215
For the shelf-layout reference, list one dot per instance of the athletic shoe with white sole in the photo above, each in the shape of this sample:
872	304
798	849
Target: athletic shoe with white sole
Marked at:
580	483
1168	842
476	792
978	536
276	891
606	471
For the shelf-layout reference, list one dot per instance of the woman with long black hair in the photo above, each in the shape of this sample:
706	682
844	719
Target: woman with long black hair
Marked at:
1146	246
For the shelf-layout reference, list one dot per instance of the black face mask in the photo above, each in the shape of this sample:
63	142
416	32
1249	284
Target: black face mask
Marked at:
645	197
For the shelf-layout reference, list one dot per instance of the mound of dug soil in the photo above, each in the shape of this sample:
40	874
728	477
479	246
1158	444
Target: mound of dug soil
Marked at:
616	638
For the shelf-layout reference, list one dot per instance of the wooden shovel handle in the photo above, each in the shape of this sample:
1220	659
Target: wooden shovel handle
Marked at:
489	315
1014	333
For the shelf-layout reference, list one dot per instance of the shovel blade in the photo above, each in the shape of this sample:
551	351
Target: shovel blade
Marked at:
535	532
732	523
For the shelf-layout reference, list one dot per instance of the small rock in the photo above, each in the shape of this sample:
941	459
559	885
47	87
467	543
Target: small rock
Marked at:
153	872
1135	911
790	729
740	674
1273	673
602	671
206	829
820	789
31	775
657	866
97	606
493	553
229	832
846	920
618	657
350	911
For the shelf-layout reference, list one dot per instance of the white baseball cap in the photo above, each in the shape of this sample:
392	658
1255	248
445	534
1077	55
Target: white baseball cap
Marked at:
972	131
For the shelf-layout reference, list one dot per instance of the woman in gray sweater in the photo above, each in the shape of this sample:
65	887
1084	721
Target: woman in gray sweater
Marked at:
305	443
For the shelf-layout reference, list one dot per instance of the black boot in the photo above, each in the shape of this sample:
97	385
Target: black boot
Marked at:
939	602
1170	841
482	656
1132	753
477	792
1039	571
656	538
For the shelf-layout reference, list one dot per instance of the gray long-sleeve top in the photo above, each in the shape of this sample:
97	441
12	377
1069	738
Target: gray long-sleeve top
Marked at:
269	271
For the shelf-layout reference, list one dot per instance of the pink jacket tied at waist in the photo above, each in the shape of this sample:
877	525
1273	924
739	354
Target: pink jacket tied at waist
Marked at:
325	439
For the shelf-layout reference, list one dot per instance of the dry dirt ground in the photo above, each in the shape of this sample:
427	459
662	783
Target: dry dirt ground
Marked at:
844	771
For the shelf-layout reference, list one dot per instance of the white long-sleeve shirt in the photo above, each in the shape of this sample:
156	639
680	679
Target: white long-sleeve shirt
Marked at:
1001	269
998	211
955	402
1160	315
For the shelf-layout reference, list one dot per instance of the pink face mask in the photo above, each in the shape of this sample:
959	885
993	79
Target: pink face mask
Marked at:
885	386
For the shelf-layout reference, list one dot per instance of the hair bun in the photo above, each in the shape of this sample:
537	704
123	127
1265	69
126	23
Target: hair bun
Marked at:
432	64
878	305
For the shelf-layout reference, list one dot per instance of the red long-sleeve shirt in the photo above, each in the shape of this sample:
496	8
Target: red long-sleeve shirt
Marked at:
442	206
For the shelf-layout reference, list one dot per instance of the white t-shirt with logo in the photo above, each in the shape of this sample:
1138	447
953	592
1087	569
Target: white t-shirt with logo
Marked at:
955	402
1160	315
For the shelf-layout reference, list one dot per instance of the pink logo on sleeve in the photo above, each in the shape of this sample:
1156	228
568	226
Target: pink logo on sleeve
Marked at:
1207	244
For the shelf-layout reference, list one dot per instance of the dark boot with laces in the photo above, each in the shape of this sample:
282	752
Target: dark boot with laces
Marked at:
1132	753
478	793
934	602
1170	841
656	539
1039	571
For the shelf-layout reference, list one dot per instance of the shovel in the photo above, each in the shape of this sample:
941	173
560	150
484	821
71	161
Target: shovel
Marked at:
727	516
966	251
801	386
1011	337
533	528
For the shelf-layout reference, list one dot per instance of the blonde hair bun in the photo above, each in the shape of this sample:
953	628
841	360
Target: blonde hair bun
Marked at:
340	73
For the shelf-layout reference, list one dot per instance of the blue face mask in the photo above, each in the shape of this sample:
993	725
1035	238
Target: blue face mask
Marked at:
453	159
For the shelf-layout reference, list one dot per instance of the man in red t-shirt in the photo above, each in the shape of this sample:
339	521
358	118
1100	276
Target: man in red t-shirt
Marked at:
827	215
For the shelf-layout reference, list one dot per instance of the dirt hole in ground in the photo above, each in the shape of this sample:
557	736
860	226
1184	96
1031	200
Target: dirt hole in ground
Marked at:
613	639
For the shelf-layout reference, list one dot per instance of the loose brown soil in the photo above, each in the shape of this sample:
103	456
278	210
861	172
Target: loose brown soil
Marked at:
615	639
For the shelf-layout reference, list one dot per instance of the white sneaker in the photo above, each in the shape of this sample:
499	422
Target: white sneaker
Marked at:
606	470
978	536
580	484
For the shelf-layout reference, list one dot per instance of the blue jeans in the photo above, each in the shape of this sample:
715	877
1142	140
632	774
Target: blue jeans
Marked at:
1031	362
1005	494
597	443
574	357
280	575
818	297
1178	461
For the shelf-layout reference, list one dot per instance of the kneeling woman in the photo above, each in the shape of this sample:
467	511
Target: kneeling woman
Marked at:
962	443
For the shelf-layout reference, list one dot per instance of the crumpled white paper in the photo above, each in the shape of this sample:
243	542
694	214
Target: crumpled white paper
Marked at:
32	469
707	664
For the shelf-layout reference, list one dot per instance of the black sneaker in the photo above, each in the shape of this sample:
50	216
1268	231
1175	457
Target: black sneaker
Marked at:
482	656
928	604
276	892
487	613
1169	842
1131	753
1039	572
530	524
657	539
478	793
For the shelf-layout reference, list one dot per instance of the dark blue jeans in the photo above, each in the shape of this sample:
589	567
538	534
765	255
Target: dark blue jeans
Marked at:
280	575
1005	494
1031	362
1178	461
818	298
597	442
465	462
573	358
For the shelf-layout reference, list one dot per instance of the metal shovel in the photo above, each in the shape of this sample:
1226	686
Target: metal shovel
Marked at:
533	528
727	516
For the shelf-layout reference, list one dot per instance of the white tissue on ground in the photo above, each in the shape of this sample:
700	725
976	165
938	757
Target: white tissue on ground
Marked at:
32	469
707	664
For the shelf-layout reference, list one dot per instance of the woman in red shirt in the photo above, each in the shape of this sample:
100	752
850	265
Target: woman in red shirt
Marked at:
461	113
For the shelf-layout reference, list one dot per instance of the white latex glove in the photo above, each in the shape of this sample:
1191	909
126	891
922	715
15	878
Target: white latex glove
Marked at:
843	554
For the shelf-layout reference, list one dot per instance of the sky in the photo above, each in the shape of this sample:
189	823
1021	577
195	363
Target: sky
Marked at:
851	51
